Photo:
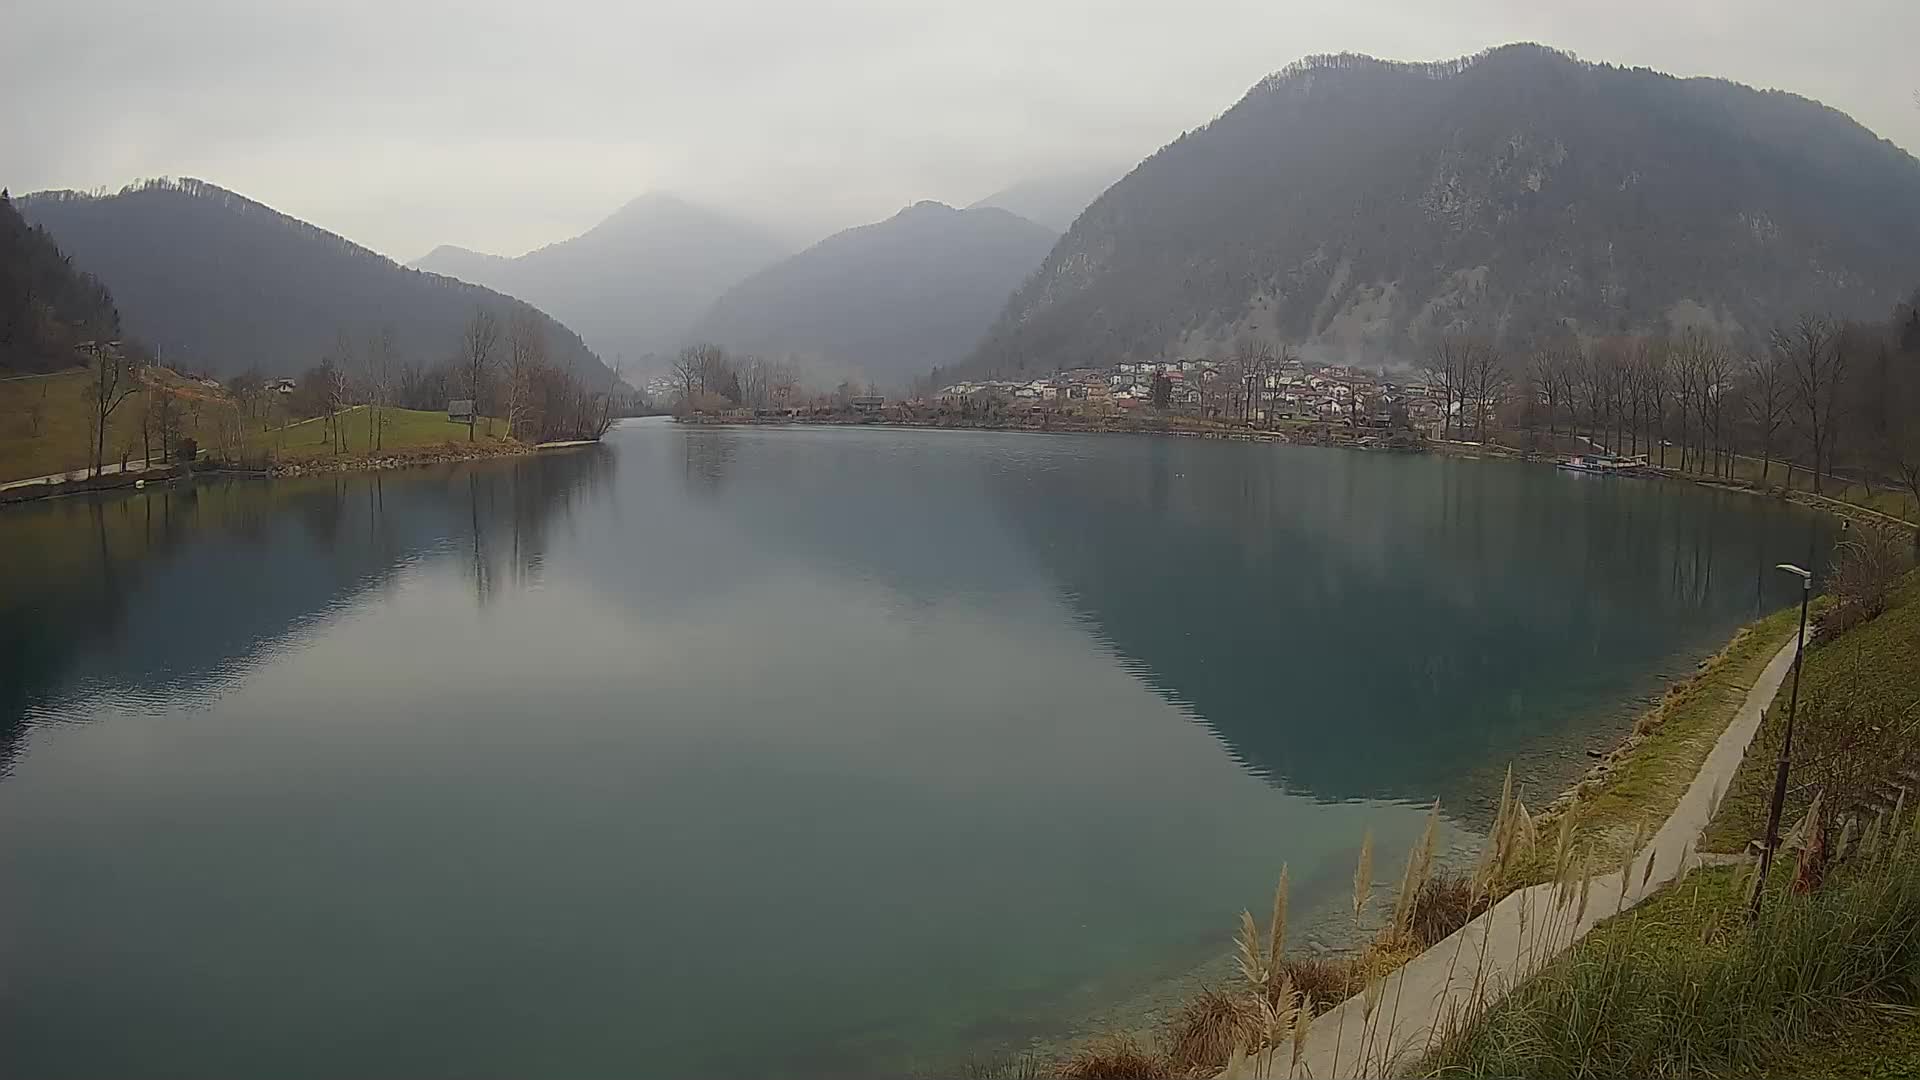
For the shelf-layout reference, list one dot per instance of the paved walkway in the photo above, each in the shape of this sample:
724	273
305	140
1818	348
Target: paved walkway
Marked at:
109	469
1443	981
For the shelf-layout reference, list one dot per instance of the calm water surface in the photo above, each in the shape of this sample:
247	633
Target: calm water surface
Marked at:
804	753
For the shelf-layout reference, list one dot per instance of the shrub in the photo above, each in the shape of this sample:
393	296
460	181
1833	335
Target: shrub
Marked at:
1116	1058
1445	903
1203	1034
1865	571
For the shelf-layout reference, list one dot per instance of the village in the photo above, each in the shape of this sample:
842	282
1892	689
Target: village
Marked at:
1216	390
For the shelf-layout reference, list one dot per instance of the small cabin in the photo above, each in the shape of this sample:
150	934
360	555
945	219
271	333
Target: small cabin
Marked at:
460	410
868	403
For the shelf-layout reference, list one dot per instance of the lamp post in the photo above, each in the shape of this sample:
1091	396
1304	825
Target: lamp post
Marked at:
1786	744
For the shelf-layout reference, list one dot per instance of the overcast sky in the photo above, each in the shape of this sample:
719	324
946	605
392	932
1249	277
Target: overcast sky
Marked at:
403	124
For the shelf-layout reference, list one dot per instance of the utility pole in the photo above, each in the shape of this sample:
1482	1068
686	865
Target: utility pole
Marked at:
1786	744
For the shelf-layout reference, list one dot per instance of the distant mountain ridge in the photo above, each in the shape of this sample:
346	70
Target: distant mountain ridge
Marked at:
1363	207
220	283
1053	201
632	284
887	301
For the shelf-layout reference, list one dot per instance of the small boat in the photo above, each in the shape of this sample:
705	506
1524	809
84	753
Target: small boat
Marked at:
1604	464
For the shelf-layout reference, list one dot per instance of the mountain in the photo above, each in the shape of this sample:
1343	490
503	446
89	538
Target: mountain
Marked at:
887	301
633	283
1364	206
46	306
219	283
1053	201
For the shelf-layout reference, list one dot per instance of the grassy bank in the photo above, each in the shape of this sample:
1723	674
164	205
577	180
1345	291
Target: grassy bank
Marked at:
403	432
1828	981
1857	733
1684	986
45	422
45	430
1886	499
1640	782
1633	789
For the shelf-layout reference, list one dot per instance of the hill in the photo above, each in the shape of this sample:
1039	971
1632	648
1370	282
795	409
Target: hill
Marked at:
1363	206
887	301
1053	201
46	306
218	283
633	283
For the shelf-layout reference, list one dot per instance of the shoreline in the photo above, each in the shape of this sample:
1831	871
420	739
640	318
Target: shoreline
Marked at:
448	454
1297	433
1654	739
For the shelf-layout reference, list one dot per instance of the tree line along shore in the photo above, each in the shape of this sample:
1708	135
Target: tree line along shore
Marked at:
123	416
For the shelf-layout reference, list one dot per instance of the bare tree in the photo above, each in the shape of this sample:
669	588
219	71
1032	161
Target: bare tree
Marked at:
1448	361
1816	367
1544	374
526	356
1487	379
477	344
1767	400
686	372
337	394
162	422
112	377
381	368
1716	382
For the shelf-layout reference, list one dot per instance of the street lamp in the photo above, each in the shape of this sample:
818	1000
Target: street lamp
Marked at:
1786	743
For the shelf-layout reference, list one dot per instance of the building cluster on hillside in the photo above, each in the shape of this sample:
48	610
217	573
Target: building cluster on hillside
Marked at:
1215	389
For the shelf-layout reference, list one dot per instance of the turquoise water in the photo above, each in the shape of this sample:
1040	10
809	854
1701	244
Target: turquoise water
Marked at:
800	752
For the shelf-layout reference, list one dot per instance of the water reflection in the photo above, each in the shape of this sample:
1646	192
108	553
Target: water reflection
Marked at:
1306	603
177	590
910	690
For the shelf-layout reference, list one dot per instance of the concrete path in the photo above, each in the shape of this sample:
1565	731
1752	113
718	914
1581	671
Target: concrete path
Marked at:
1525	930
109	469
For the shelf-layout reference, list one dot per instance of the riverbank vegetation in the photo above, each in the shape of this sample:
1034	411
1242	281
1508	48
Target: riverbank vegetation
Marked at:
359	404
1687	953
1827	980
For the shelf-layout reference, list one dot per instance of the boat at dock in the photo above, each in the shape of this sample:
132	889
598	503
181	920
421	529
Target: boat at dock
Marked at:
1604	464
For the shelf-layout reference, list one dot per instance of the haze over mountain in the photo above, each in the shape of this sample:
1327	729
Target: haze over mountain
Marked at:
219	283
632	284
887	301
1365	206
1053	201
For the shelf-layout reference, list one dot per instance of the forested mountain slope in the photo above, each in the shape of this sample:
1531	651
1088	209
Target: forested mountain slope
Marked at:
47	306
219	283
1364	206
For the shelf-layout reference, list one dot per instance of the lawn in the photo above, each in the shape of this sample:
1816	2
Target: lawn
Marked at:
1891	501
44	427
1859	707
401	430
61	442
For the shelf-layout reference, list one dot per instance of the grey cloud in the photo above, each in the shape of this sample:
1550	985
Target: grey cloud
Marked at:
502	126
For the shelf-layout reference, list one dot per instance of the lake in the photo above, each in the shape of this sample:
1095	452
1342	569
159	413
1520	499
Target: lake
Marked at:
800	752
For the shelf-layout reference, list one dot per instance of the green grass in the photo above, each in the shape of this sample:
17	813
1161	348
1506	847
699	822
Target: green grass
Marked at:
1891	501
62	443
1674	739
1871	671
1882	1044
1685	986
402	430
